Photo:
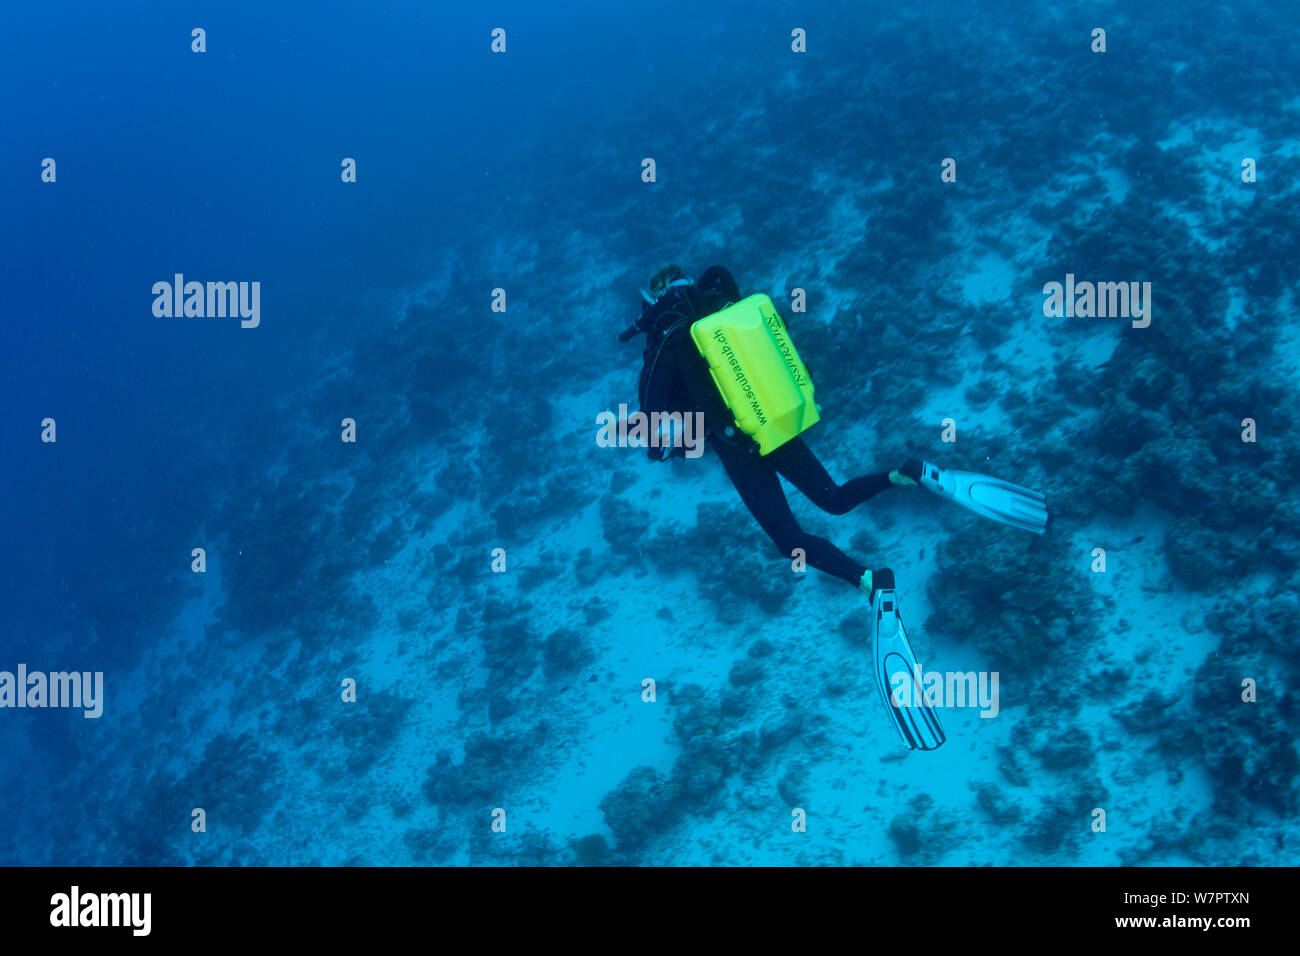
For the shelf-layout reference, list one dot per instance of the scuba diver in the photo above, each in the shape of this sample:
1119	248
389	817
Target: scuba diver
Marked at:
712	352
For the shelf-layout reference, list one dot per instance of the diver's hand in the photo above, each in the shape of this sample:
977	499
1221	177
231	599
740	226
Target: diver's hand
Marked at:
667	447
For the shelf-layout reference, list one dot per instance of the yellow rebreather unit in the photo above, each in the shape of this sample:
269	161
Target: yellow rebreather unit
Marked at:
758	371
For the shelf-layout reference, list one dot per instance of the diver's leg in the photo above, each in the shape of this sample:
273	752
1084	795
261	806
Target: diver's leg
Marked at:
797	463
760	488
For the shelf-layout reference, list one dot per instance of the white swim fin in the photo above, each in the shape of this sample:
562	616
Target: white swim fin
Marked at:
991	497
896	668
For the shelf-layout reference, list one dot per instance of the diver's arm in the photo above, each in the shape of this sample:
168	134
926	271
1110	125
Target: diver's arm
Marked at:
699	385
655	396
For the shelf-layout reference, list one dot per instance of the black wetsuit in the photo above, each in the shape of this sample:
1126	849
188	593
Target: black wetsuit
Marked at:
675	378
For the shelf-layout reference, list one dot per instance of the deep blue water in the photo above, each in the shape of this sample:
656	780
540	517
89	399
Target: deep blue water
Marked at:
372	561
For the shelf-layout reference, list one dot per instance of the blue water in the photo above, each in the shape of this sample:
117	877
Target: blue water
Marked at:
501	711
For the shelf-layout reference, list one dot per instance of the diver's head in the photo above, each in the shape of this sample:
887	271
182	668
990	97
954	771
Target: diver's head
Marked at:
664	279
